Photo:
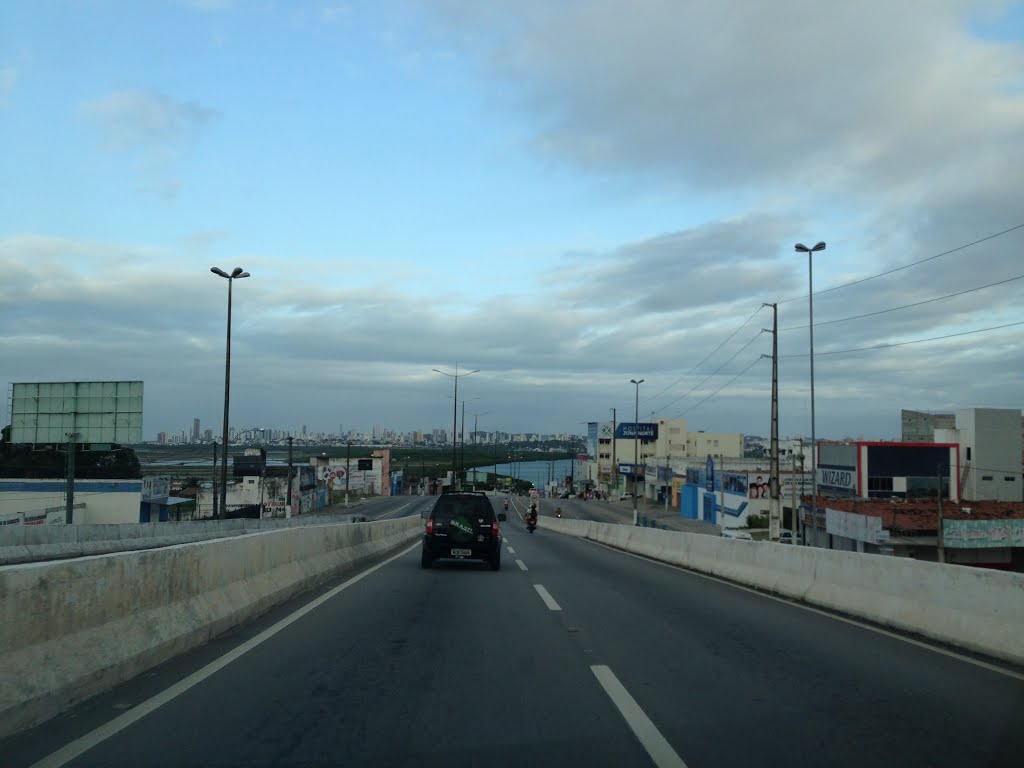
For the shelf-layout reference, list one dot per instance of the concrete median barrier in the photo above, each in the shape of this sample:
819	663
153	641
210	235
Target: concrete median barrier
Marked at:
975	609
70	629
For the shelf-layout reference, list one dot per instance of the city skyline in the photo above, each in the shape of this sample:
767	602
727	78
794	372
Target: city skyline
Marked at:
563	197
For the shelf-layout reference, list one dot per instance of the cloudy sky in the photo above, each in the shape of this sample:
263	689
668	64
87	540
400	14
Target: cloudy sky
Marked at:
563	194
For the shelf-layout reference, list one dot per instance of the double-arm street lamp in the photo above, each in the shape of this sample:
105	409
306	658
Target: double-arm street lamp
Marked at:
236	274
801	248
636	444
455	414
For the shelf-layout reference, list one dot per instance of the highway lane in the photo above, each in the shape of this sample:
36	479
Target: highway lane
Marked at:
462	666
732	677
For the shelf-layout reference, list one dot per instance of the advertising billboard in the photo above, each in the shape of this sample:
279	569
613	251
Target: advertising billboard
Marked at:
857	527
78	411
837	478
982	534
630	430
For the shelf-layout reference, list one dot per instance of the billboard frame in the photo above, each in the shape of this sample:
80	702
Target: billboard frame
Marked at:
59	412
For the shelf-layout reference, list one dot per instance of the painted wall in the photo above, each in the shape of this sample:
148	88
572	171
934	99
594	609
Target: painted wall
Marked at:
106	501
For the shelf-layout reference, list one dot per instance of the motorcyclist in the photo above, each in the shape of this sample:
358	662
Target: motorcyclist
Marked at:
531	516
506	505
558	511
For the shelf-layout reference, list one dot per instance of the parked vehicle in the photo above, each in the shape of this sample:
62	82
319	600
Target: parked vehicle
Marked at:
462	526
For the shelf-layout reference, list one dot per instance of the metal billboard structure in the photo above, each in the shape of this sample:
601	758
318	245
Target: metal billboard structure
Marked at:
76	411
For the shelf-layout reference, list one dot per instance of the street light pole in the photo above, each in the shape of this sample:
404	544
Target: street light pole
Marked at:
455	414
636	444
236	274
801	248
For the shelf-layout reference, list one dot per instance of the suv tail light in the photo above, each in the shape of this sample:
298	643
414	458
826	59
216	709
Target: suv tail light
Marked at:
494	529
430	526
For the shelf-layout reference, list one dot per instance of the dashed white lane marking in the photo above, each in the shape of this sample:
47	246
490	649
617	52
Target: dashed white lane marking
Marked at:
70	751
510	550
549	601
660	751
521	564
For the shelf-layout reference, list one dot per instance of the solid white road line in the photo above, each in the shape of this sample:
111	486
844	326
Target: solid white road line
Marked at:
660	751
549	601
521	564
79	746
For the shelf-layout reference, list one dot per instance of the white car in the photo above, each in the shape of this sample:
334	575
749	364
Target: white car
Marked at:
625	496
786	537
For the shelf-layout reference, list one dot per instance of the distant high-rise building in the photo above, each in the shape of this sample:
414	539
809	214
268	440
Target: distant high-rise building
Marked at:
378	431
303	430
208	434
195	430
161	438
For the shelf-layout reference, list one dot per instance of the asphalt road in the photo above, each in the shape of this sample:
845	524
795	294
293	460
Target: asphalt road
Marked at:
572	654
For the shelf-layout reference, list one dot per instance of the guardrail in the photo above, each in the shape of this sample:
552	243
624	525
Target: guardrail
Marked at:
70	629
977	609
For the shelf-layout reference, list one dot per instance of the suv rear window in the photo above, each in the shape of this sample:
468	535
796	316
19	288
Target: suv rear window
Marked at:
452	505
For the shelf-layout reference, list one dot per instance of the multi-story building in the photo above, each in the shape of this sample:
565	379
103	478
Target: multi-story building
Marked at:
195	430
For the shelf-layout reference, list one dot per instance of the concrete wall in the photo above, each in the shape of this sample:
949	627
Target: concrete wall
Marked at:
994	436
973	608
74	628
106	501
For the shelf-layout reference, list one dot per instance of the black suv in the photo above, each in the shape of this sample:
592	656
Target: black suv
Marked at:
463	526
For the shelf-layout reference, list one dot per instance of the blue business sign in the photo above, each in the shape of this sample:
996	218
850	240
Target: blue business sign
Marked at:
632	470
710	473
631	430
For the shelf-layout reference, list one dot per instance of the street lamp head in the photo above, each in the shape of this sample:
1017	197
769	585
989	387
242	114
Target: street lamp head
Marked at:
219	271
634	381
801	248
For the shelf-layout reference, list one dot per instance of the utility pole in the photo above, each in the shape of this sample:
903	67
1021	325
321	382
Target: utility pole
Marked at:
289	514
940	539
348	467
774	504
462	441
793	508
69	508
215	494
615	466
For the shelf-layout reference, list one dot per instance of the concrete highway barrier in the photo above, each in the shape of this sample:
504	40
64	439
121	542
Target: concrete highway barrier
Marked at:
977	609
70	629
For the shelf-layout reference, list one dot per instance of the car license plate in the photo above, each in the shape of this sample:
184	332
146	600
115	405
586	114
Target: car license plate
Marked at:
461	552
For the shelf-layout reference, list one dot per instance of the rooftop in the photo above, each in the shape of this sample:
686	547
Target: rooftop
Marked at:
922	514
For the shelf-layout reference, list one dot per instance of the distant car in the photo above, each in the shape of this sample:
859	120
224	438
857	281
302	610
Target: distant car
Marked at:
625	496
786	537
462	526
729	533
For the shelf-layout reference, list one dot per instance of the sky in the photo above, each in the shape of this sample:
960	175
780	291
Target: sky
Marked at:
561	194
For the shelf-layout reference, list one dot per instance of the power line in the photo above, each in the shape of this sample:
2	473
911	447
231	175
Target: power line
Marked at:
907	306
709	356
705	379
913	341
730	381
907	266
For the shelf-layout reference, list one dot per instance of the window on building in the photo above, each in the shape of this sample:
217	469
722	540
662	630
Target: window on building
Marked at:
716	443
986	477
604	440
1009	478
968	453
879	483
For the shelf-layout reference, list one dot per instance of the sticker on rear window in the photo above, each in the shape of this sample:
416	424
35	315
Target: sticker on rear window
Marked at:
462	524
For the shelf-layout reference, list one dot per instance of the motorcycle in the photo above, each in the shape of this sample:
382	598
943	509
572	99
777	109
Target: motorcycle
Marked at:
531	522
558	512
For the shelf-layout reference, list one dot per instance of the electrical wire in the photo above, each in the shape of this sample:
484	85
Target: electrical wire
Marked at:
719	368
730	381
906	343
906	306
708	357
907	266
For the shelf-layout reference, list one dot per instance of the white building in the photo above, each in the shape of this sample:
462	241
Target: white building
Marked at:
990	452
39	501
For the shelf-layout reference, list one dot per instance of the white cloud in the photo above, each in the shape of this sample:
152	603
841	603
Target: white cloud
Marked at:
136	118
